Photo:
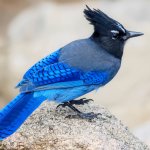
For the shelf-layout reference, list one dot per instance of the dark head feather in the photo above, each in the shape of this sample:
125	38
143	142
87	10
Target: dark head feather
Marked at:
101	22
109	34
105	29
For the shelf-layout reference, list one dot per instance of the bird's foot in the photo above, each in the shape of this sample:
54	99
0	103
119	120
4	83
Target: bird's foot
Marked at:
62	105
88	116
81	101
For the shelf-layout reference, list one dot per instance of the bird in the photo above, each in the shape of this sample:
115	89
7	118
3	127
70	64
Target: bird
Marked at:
71	71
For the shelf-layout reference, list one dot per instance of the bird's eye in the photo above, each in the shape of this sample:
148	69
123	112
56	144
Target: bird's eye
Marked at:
115	34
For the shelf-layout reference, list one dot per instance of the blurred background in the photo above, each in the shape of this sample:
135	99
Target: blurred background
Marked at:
31	29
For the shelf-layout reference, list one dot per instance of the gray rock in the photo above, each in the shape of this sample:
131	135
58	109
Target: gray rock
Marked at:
49	129
143	132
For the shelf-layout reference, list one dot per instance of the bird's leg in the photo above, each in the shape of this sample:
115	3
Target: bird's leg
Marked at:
79	113
82	115
81	101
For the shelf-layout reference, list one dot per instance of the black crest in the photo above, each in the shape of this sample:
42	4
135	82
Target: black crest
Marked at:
101	21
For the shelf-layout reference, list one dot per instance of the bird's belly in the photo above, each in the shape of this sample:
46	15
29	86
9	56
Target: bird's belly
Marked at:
66	94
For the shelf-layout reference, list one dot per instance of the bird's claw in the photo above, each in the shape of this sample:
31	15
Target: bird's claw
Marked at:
61	105
80	101
88	116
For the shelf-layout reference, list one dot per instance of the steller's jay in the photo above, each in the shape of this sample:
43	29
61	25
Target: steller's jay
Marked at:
70	72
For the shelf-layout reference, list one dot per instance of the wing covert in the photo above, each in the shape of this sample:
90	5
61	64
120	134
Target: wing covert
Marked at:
60	75
48	60
49	73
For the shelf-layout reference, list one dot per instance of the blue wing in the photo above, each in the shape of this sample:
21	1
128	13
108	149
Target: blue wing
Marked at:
49	73
48	60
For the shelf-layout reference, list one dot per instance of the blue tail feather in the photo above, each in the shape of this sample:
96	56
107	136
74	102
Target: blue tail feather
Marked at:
16	112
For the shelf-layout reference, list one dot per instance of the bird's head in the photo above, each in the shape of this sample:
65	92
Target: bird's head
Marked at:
108	32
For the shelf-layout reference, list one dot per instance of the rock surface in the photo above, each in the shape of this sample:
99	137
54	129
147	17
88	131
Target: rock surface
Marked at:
49	129
143	132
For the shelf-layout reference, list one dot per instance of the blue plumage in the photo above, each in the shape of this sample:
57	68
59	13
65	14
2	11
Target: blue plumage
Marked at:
16	112
70	72
51	80
51	59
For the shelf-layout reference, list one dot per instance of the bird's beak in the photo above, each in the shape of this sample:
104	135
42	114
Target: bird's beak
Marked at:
134	34
131	34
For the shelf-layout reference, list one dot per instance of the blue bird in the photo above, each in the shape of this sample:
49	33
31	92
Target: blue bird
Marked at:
70	72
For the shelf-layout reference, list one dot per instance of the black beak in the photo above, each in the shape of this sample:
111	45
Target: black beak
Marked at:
131	34
134	34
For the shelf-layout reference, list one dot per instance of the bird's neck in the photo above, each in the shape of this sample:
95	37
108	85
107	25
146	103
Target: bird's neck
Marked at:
114	48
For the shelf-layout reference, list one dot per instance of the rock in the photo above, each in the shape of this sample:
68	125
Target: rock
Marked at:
49	129
143	132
